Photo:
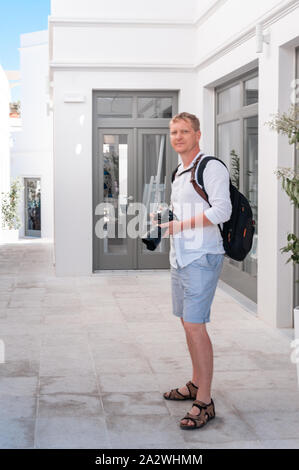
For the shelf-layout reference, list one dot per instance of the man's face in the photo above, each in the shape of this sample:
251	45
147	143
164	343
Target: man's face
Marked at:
183	138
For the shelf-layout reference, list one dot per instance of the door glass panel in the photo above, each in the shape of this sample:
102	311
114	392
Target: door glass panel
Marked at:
251	185
33	207
114	107
229	152
115	191
237	146
251	94
229	148
154	179
229	100
154	107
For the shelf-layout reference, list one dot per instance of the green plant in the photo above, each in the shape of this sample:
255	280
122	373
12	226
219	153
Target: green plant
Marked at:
287	124
9	206
290	184
235	168
293	247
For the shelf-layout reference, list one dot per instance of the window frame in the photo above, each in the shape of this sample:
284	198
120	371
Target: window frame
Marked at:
244	112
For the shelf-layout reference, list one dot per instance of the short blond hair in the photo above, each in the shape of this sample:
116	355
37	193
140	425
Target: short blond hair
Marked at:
194	121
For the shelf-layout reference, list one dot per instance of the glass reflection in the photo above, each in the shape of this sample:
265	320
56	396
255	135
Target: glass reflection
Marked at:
251	94
154	179
229	147
114	107
251	185
229	100
115	191
154	107
33	206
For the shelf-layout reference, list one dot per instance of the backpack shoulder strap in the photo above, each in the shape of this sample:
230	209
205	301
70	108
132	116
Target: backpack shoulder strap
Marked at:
202	166
176	170
198	181
174	173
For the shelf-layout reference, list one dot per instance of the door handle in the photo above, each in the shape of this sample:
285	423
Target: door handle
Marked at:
130	198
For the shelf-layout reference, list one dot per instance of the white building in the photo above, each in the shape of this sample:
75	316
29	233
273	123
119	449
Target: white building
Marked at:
32	153
119	71
4	137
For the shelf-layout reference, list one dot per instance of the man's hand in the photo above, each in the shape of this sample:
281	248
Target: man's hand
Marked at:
172	228
177	226
154	218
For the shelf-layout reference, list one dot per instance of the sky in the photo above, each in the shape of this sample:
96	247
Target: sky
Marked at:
18	17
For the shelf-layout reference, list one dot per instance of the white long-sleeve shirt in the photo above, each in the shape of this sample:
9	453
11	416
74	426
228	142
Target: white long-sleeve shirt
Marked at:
191	244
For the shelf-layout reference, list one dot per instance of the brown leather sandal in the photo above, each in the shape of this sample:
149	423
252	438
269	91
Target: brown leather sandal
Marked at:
174	394
206	413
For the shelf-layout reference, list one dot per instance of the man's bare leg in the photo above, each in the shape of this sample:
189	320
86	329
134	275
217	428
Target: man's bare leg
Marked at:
195	377
201	352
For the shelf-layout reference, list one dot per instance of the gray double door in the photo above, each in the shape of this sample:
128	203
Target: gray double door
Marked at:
132	176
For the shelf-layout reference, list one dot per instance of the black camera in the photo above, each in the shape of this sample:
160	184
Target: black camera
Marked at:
154	236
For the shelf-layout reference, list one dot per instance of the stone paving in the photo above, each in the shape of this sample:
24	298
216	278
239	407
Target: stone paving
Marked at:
88	358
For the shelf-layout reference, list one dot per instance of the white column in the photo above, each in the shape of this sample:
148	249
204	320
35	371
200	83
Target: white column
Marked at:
276	71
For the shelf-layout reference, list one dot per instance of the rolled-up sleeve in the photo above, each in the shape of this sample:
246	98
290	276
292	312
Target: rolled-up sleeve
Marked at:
216	183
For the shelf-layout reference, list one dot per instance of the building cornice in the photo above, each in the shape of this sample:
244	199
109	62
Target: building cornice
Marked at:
284	8
124	65
103	22
209	12
44	43
138	22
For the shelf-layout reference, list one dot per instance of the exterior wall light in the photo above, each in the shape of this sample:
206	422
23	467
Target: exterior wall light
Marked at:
261	37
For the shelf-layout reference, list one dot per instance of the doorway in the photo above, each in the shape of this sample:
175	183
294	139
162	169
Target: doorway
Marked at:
32	209
132	166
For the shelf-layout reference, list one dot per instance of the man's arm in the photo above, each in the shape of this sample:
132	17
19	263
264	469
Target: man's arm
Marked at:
176	226
216	180
217	186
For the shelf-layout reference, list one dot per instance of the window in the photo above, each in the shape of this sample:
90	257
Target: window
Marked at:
153	107
237	146
32	189
114	107
251	94
229	100
137	106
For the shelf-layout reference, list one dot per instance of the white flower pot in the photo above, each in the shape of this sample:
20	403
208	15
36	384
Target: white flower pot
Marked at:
295	343
9	236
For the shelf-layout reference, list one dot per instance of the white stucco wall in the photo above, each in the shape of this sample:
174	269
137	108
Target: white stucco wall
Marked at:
4	136
190	50
103	55
73	173
276	72
32	154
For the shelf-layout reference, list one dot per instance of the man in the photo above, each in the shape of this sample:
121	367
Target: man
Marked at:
196	264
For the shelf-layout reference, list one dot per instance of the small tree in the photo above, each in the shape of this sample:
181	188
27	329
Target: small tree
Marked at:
9	207
288	124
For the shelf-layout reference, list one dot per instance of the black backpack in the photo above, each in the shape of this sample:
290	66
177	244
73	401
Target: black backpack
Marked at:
238	231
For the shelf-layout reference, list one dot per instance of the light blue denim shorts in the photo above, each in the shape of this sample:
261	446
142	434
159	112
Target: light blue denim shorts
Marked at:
194	286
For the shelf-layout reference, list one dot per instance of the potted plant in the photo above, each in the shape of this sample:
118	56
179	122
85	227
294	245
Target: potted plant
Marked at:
288	124
9	213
